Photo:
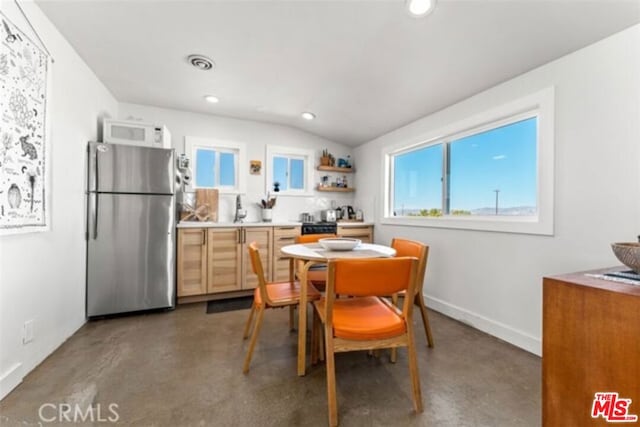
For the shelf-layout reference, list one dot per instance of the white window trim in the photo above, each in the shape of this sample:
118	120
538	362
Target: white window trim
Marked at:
300	153
539	104
191	143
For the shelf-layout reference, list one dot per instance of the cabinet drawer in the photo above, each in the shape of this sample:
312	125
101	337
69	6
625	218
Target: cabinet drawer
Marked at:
364	233
282	236
286	231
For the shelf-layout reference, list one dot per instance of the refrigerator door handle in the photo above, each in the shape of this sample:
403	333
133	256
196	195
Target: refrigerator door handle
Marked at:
93	214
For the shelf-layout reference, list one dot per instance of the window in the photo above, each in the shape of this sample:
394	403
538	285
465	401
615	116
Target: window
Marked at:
292	168
488	173
215	164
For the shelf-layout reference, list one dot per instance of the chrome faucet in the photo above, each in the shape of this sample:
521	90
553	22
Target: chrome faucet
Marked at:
240	213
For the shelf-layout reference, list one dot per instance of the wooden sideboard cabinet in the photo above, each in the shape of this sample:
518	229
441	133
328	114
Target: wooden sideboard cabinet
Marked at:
590	344
362	232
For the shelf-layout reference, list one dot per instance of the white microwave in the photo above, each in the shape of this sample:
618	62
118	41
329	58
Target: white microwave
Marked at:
136	133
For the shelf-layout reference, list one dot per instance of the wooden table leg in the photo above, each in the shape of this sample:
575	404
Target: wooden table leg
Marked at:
302	320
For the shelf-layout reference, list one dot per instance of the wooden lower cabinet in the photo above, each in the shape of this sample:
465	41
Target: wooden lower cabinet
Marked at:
362	232
261	235
224	258
192	261
215	260
282	236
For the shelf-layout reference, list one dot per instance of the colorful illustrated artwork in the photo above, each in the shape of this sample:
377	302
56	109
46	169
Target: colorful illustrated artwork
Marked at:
23	139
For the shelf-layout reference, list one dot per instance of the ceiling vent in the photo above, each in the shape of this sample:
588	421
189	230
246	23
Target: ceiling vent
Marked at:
201	62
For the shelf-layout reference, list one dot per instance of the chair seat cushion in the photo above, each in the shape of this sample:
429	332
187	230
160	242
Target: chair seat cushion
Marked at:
363	318
284	293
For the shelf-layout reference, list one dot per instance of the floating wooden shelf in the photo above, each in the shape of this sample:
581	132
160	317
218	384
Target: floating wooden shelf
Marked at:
336	189
335	169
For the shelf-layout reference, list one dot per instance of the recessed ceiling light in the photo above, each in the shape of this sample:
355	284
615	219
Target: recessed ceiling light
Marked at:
201	62
308	116
420	7
212	99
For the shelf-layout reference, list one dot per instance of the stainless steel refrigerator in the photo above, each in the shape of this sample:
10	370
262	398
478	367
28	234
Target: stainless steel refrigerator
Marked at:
130	229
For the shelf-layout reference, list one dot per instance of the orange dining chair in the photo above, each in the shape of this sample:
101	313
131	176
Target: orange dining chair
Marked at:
366	321
420	251
317	274
269	295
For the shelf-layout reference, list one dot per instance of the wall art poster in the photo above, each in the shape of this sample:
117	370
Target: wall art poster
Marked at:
23	139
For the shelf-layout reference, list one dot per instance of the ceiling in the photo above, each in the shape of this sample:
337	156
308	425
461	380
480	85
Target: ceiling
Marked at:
363	67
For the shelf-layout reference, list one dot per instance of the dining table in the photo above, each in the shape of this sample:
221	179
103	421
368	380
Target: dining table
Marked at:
313	254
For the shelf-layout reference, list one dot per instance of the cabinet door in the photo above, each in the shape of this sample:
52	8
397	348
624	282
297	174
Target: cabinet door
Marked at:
282	236
362	232
224	256
192	261
261	235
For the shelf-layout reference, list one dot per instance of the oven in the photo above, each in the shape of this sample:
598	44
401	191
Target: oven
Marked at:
319	228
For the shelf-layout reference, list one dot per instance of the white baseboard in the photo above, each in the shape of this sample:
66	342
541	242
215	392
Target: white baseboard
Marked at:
10	379
504	332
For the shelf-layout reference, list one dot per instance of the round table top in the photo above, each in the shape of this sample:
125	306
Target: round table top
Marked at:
315	252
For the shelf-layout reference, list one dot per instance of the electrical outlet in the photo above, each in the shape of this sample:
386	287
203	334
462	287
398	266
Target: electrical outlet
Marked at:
27	332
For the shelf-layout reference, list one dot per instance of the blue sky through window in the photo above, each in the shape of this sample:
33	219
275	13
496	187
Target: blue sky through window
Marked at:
205	168
418	179
205	176
297	174
503	158
280	172
227	169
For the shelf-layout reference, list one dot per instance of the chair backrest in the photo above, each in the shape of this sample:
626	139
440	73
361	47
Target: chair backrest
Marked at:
372	277
415	249
256	267
312	238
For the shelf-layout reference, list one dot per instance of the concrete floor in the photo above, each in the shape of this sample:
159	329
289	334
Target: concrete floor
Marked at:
184	368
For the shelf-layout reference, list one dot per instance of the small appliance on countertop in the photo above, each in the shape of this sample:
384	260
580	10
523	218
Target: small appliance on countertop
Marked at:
328	215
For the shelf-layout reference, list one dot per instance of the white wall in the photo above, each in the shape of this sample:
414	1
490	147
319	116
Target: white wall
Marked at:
256	136
493	280
42	275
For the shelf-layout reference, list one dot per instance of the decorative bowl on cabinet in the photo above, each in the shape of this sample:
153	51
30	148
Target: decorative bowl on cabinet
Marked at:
628	253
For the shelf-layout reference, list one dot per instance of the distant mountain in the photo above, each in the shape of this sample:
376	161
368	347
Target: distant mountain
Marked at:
513	211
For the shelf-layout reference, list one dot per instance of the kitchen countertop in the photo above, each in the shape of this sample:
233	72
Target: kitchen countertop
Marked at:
208	224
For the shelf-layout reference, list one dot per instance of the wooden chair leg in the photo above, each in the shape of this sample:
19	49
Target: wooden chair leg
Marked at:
291	325
321	341
314	339
332	400
247	327
419	300
393	357
413	372
254	338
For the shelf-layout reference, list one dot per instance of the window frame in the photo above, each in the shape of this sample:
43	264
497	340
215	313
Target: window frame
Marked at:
191	144
308	157
539	105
